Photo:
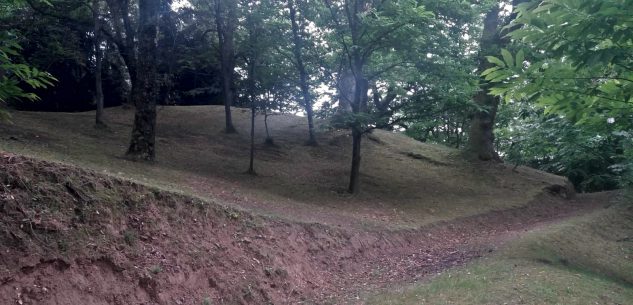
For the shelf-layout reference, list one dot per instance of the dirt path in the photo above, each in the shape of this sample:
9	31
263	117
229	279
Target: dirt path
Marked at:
418	254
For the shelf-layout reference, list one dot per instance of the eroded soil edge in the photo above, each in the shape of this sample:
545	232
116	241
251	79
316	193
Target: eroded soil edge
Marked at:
71	236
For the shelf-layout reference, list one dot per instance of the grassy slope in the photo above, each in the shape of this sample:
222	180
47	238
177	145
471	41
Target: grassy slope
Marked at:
588	260
295	181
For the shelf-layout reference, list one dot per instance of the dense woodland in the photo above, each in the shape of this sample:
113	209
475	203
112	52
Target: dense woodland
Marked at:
542	83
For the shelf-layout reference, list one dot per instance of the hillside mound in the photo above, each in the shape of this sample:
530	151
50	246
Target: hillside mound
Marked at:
404	183
75	236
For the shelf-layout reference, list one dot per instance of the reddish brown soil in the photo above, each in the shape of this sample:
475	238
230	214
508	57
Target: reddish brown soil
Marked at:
71	236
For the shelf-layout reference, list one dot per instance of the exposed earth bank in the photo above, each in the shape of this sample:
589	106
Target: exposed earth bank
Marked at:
72	236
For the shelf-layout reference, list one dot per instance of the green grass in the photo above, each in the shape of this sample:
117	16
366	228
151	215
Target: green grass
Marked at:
588	260
404	183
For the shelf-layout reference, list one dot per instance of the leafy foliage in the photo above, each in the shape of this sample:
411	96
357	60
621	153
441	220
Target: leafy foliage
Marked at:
579	62
14	75
594	158
576	66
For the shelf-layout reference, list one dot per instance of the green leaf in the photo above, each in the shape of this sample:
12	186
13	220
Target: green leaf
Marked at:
520	58
610	88
496	61
490	70
507	57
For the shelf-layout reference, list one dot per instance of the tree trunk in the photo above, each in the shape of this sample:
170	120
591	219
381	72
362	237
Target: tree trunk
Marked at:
98	64
251	94
303	75
359	105
481	138
125	40
269	139
481	144
251	166
142	144
226	29
346	85
354	176
360	94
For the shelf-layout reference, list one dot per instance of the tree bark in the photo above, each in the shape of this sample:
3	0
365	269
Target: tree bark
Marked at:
251	165
359	105
354	177
251	94
481	137
481	141
345	86
226	26
269	139
99	122
124	37
142	143
303	75
361	90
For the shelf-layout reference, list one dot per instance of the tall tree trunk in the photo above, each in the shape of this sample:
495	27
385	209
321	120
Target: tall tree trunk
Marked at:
359	105
251	165
125	39
142	143
481	137
481	141
303	75
346	85
354	176
251	94
96	9
361	90
226	25
269	139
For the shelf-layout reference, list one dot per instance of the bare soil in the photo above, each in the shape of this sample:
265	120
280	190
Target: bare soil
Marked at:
75	236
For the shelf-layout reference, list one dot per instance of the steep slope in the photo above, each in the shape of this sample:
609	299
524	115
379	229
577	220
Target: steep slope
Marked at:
75	236
405	184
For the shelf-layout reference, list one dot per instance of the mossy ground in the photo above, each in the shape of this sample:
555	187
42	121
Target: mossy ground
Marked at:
404	183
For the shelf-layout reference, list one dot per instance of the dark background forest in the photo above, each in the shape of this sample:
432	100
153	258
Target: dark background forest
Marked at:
492	78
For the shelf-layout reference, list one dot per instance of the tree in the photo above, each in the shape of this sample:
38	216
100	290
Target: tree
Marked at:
298	49
226	24
481	137
123	34
96	12
254	48
266	69
371	35
252	66
276	87
142	143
